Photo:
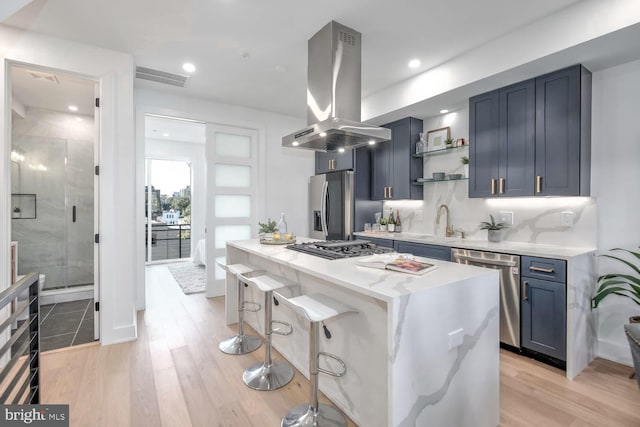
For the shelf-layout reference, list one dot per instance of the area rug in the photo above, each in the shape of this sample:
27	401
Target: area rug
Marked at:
191	278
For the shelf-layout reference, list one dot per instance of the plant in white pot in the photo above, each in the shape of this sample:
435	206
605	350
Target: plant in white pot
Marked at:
267	229
494	229
465	164
625	284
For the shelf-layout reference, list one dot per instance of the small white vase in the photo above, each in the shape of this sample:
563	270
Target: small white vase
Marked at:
466	170
494	235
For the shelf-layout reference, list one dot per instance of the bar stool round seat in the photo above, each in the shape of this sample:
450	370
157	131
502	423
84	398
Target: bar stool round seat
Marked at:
240	343
316	308
269	374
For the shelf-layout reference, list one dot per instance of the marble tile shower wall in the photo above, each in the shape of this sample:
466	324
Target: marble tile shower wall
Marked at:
53	244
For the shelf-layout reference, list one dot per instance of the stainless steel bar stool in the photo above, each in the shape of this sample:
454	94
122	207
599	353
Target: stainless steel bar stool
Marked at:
316	308
241	343
268	375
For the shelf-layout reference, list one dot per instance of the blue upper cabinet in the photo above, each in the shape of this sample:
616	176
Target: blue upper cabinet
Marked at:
331	161
517	140
563	133
532	138
393	169
484	144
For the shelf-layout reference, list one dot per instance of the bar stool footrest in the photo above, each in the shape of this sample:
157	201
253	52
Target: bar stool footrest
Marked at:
280	322
337	359
257	306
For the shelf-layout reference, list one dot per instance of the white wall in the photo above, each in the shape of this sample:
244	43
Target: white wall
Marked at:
194	154
615	182
114	71
283	172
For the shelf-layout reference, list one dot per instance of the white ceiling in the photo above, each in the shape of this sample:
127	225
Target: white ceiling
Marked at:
217	35
39	92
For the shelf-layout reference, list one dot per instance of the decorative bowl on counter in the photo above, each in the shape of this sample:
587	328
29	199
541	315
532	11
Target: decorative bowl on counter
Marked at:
277	239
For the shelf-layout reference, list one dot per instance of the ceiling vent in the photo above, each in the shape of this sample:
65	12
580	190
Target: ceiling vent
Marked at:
161	76
39	75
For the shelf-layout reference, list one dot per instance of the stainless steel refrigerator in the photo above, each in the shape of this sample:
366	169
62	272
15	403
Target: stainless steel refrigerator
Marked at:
339	204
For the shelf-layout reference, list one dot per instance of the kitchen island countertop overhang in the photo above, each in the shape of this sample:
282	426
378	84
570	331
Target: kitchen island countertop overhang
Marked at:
419	349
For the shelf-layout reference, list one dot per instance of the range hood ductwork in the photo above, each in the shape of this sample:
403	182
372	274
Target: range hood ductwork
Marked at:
334	94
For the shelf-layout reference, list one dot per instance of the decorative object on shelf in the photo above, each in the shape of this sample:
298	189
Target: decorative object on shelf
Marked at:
494	229
460	142
267	229
454	176
421	147
436	138
23	206
438	176
448	143
625	284
465	164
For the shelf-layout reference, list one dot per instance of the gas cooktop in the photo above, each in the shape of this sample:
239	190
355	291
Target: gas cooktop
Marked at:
339	249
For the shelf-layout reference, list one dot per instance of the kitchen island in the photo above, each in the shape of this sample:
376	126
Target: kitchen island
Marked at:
422	350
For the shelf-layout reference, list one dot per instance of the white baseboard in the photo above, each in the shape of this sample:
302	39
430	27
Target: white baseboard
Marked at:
614	351
55	296
119	335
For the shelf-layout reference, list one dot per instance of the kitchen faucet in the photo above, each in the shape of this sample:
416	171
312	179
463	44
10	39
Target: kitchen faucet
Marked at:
449	231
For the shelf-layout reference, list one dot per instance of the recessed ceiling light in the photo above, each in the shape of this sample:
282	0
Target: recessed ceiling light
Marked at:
340	150
372	142
323	134
445	111
73	108
165	134
414	63
295	143
188	67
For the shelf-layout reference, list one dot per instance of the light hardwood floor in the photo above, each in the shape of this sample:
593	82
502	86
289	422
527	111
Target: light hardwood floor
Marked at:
174	375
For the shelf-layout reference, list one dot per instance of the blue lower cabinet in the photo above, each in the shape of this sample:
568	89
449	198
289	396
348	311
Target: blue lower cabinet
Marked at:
424	250
387	243
544	317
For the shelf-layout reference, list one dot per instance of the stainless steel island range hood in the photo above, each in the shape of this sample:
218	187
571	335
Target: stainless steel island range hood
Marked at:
334	94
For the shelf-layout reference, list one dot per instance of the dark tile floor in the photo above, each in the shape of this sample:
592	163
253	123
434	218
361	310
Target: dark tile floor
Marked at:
63	325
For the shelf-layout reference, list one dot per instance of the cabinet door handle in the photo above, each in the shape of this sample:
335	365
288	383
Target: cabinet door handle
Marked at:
538	184
385	192
525	285
391	192
501	185
541	269
493	186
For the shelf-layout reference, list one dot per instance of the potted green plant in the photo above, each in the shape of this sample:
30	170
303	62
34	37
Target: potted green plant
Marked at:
449	142
625	284
465	164
494	229
267	229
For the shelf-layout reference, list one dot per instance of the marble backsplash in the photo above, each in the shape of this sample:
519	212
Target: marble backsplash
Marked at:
57	166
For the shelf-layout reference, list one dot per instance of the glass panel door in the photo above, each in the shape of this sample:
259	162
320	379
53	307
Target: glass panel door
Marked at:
231	181
167	210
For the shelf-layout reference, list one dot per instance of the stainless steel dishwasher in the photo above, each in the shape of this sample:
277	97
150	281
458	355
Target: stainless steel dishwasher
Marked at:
509	268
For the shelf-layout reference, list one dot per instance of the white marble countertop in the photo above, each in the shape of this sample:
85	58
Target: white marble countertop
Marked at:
380	284
517	248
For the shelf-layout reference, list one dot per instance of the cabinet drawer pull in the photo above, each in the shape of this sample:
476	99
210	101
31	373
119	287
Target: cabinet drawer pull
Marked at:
541	269
501	185
538	184
525	284
493	186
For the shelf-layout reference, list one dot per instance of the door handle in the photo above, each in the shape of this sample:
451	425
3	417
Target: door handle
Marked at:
73	213
391	192
385	192
538	184
493	186
485	261
501	185
323	209
525	286
541	269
